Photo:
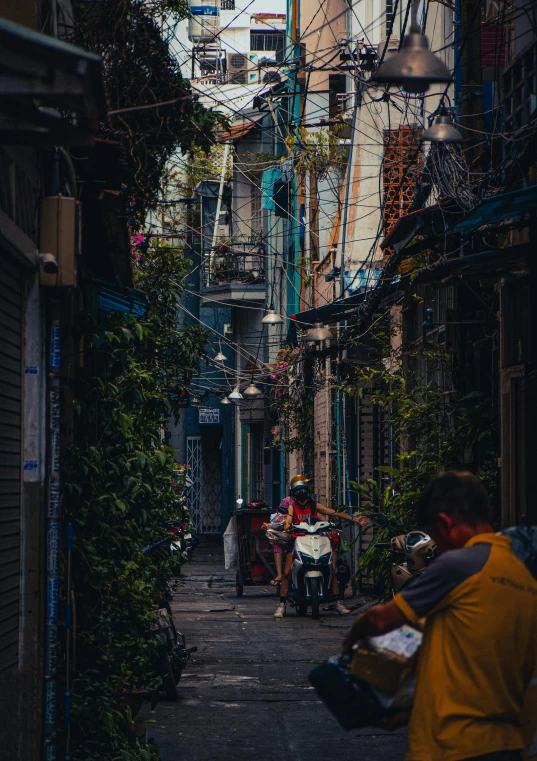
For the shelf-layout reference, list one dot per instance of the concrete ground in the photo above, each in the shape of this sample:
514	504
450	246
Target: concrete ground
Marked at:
245	695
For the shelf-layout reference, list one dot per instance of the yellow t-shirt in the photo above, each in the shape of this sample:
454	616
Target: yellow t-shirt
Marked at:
478	654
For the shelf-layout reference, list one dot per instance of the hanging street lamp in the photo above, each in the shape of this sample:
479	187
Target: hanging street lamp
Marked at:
414	67
235	395
252	391
225	400
318	333
272	318
220	357
442	131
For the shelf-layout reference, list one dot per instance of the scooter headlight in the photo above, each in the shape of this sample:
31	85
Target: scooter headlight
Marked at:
306	558
326	557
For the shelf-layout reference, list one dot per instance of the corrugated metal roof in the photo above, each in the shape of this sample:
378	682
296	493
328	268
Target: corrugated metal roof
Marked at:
498	208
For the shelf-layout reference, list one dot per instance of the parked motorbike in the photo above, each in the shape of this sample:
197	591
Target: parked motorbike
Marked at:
411	552
173	654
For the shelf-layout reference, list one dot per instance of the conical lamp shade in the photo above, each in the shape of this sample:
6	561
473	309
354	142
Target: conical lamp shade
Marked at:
235	394
442	131
251	391
272	318
319	333
225	400
220	357
414	67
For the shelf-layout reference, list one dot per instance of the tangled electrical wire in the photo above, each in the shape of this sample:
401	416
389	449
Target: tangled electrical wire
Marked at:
450	175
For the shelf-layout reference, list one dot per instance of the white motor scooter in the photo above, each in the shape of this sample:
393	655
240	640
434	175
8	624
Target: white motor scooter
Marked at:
312	566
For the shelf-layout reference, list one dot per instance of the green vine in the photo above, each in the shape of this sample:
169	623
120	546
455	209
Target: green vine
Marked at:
318	152
430	431
292	399
121	487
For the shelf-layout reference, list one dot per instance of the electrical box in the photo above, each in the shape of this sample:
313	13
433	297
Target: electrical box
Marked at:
58	237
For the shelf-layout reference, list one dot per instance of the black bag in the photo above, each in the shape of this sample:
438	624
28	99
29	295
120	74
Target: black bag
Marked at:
349	699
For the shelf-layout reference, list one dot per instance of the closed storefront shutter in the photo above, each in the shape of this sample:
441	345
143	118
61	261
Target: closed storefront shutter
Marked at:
10	458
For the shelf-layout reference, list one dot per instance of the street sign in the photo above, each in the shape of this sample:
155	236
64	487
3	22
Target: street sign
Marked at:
209	415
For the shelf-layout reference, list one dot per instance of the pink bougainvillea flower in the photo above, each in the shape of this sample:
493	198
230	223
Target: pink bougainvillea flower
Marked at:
272	376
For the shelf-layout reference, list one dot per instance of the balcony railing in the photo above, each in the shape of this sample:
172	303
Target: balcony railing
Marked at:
233	268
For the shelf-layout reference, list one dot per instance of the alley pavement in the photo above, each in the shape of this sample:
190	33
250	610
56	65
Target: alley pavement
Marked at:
245	695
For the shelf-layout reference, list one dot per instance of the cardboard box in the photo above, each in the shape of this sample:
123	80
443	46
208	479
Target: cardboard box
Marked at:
378	669
383	661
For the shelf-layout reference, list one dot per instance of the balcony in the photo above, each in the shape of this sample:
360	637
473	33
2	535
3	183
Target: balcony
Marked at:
233	275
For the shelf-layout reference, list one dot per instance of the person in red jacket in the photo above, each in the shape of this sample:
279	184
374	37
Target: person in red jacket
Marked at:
300	506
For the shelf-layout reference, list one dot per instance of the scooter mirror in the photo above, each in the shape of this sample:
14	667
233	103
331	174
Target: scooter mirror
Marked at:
378	519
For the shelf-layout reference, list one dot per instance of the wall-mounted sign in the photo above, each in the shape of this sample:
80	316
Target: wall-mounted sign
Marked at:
209	415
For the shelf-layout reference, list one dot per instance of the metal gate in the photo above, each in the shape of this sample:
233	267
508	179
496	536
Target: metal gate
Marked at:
194	460
10	458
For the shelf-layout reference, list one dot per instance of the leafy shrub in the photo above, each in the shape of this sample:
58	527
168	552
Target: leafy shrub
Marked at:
121	487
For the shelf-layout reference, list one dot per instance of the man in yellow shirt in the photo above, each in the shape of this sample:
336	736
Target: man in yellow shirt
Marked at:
479	648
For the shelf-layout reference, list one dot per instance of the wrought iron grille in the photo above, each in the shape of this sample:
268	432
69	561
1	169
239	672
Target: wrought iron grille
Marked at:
402	167
194	460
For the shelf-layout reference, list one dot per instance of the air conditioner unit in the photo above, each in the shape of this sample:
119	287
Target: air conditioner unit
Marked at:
270	76
238	66
253	68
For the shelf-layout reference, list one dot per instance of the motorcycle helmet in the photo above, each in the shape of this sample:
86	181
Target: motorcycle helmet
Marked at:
299	488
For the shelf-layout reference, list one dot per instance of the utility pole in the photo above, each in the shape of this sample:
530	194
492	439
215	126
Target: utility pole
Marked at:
472	80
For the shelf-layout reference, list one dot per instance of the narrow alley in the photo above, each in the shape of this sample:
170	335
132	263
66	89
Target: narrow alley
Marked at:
245	693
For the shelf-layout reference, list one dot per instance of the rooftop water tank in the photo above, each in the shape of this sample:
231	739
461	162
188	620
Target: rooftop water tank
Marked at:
205	21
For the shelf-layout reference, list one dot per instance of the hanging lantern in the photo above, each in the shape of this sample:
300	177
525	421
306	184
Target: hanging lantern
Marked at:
235	394
220	357
442	131
414	67
252	391
318	333
272	318
225	400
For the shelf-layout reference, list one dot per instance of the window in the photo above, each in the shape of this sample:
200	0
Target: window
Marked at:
268	42
389	15
227	5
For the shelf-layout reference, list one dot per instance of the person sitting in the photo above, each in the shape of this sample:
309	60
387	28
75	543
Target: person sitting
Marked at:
301	507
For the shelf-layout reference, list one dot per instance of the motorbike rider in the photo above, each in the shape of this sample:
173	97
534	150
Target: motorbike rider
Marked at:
300	506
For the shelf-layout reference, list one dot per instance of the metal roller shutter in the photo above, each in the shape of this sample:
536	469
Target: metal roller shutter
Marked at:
10	458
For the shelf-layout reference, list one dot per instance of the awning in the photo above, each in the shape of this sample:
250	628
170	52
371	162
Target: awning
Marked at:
498	208
106	297
491	263
329	313
421	220
36	67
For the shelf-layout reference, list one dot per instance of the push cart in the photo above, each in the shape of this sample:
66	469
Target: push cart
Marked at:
256	557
